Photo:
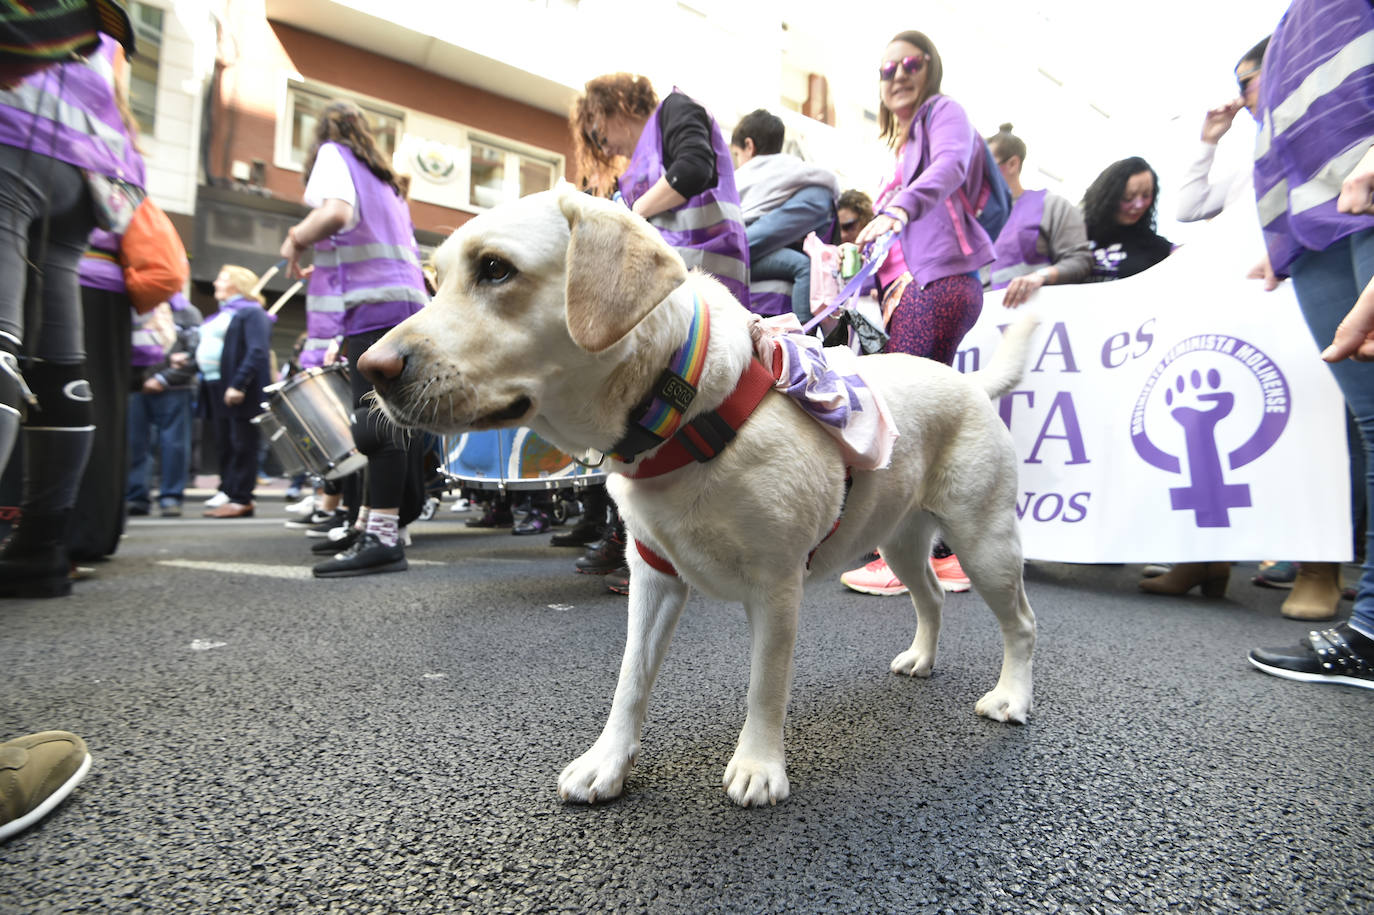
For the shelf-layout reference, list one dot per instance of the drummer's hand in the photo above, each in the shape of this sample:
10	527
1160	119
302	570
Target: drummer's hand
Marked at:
291	253
233	397
179	360
153	386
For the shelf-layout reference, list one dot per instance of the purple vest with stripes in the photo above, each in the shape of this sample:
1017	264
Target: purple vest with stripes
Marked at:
367	277
1015	246
707	230
1317	101
68	112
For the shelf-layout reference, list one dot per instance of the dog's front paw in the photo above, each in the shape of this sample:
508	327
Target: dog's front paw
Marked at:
913	663
597	775
754	782
1003	704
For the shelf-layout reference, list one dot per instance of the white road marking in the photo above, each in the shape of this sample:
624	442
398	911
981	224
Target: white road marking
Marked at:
261	570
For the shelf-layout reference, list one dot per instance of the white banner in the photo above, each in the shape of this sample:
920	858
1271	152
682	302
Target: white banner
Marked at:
1183	414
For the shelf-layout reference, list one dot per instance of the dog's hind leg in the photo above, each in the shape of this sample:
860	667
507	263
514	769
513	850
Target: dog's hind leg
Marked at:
908	554
656	602
991	556
757	773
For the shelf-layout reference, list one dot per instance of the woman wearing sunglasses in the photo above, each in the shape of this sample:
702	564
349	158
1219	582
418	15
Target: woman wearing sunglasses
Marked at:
929	280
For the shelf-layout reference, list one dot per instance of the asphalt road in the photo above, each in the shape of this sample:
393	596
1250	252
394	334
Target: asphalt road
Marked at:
265	742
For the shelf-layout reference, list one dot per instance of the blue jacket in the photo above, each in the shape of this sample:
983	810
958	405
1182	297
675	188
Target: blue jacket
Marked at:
245	364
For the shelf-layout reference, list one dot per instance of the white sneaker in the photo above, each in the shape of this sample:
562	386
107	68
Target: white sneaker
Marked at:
336	534
218	499
303	507
461	505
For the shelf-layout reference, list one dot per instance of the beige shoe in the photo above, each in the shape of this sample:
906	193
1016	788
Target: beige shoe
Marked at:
1184	576
36	773
1316	593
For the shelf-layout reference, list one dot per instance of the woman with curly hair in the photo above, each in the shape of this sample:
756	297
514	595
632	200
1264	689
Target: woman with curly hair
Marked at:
674	169
1119	210
365	281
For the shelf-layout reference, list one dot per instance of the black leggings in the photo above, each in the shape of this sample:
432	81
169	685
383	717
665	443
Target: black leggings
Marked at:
382	443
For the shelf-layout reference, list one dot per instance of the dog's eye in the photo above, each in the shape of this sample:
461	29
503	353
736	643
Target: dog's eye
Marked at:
492	269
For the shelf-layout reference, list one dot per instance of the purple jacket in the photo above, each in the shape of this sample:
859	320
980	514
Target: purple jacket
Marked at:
942	238
1317	102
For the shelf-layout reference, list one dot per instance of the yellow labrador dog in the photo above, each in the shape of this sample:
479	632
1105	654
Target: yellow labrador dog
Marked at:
559	312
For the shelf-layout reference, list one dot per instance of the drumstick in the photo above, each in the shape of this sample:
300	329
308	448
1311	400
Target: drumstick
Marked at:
295	288
271	272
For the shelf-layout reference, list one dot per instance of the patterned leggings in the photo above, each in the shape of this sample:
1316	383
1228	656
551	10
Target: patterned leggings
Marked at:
930	322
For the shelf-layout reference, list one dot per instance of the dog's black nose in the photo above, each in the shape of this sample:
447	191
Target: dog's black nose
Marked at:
382	364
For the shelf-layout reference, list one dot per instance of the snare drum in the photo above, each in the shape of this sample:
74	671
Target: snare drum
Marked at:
513	459
280	444
315	409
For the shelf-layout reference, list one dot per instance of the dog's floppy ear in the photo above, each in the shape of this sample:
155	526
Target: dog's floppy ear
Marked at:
618	269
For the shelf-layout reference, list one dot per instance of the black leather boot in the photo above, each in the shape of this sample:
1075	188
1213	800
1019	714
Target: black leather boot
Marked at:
604	556
34	562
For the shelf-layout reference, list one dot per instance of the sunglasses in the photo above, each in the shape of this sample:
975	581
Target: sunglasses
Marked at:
1245	79
912	64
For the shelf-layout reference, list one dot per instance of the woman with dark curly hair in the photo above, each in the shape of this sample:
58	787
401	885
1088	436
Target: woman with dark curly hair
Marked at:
1119	210
365	281
674	169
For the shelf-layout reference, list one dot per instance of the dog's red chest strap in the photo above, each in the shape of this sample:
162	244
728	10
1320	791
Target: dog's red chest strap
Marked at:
707	435
704	438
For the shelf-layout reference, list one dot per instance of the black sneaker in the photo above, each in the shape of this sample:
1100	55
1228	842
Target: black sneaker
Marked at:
536	522
329	545
581	535
493	517
316	518
339	519
604	556
367	556
1338	655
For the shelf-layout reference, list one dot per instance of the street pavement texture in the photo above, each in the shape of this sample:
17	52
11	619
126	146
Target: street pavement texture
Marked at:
265	742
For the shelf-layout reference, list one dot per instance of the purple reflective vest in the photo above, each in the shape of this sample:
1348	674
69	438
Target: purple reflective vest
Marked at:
1317	106
707	230
367	277
68	112
1015	246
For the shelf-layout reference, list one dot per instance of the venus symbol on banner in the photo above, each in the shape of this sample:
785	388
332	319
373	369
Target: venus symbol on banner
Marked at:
1200	393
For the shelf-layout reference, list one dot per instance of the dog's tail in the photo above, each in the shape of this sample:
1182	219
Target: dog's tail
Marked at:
1009	361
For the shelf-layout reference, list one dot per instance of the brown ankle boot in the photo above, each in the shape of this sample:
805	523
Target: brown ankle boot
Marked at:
1316	592
1185	576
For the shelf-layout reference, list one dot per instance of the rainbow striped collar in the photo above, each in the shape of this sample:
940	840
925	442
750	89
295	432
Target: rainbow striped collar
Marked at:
660	414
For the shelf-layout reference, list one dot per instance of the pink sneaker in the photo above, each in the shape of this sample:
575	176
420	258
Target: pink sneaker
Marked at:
874	578
950	573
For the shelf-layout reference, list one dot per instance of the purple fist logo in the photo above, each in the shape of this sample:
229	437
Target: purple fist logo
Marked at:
1206	404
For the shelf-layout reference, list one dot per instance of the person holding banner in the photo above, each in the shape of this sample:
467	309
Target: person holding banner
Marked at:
1119	211
931	292
1044	242
1317	125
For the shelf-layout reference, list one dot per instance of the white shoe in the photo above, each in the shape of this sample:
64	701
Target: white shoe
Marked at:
303	507
460	505
336	534
218	499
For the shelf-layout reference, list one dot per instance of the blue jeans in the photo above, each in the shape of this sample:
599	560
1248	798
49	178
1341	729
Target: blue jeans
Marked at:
1327	283
786	264
169	415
